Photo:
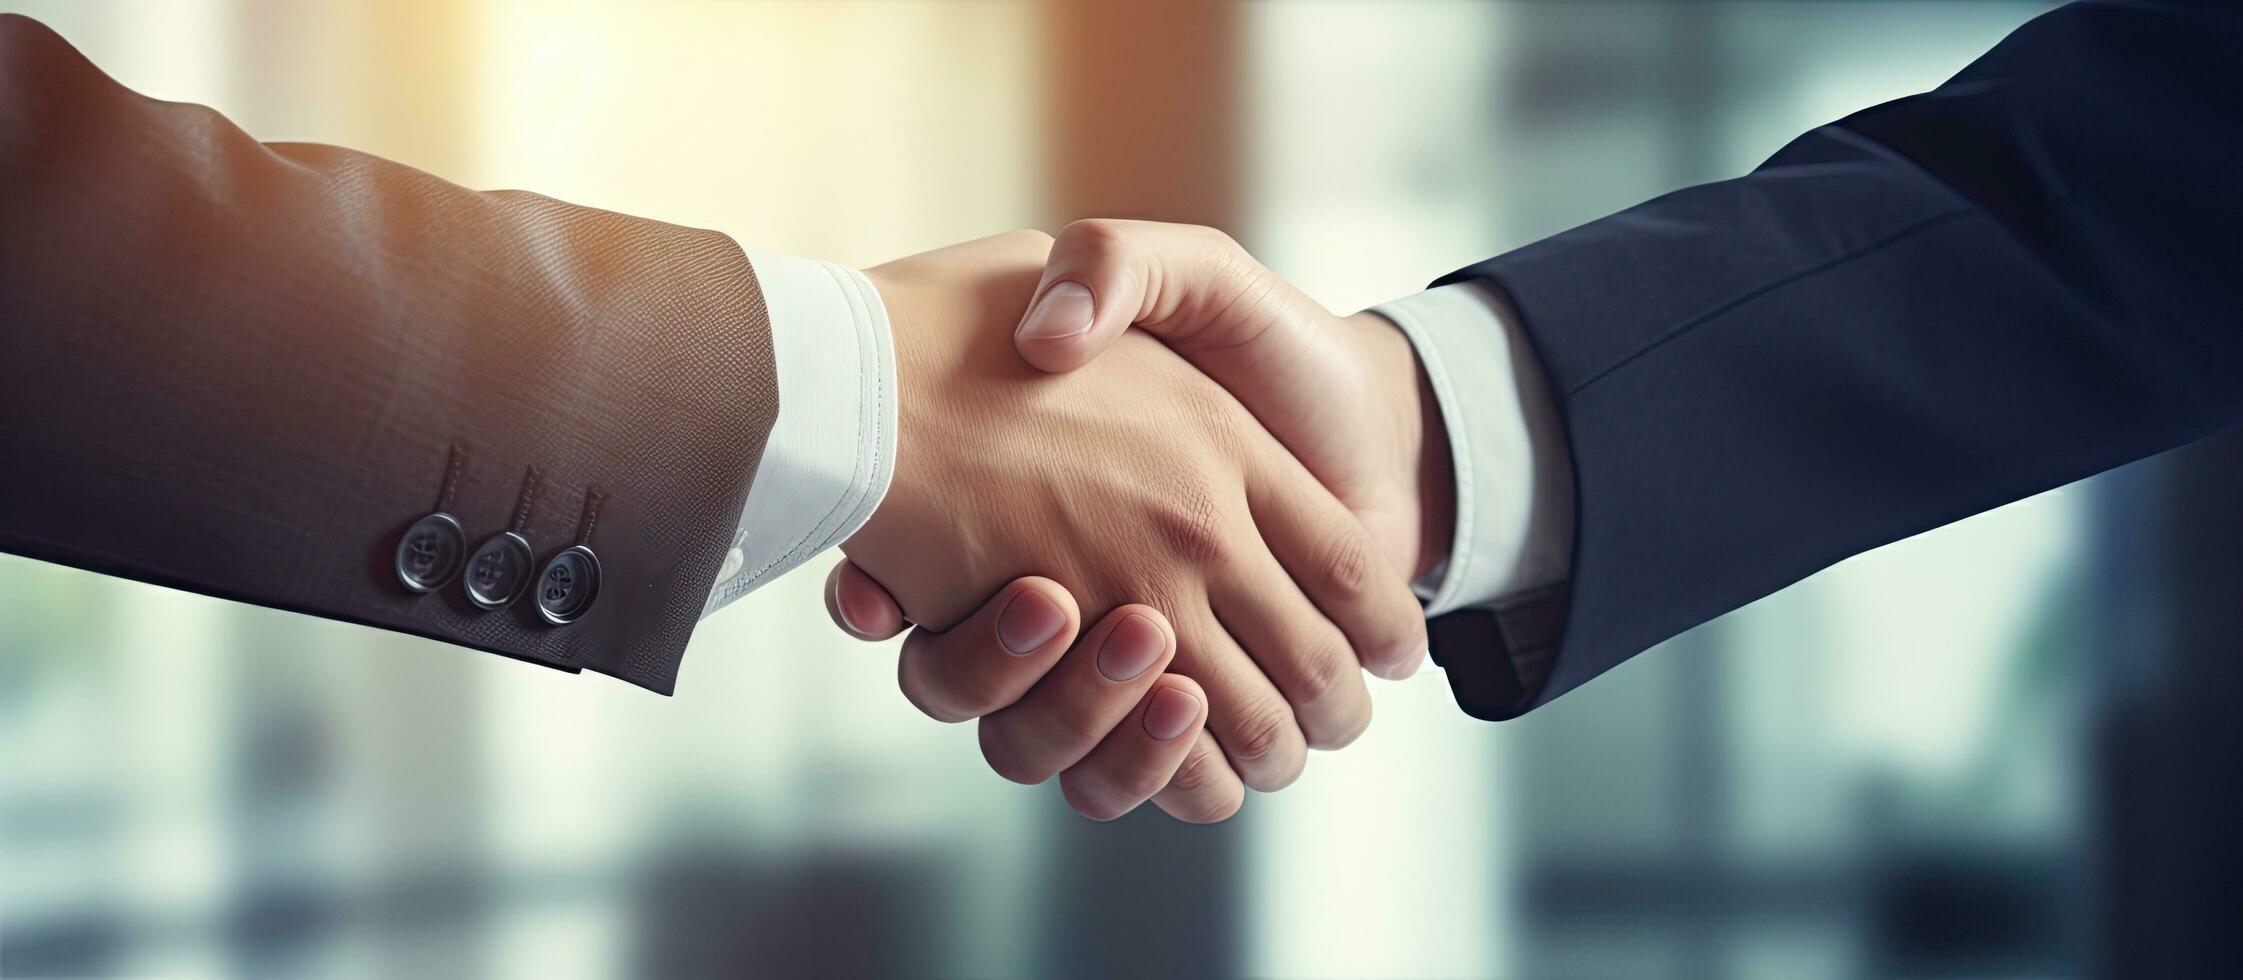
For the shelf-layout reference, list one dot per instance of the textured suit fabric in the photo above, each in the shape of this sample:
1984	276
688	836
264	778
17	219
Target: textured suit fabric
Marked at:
1919	312
242	368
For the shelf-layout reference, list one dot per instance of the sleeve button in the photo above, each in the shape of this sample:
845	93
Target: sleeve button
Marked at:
429	553
567	585
498	570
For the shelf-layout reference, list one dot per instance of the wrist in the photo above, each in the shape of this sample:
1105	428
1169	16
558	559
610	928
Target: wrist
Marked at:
1435	474
954	366
1418	437
890	547
905	343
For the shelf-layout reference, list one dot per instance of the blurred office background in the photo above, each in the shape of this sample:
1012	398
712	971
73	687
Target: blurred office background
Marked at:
1993	750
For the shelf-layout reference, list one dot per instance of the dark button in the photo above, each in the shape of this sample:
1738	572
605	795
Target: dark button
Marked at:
498	570
567	586
429	553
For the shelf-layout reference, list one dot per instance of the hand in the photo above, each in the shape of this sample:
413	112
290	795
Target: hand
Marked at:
999	666
1345	394
1141	479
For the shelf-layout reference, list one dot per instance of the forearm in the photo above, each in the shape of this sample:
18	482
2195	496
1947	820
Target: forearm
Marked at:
245	369
1926	310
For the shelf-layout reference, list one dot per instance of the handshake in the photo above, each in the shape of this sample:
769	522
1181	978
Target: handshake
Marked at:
237	368
1237	498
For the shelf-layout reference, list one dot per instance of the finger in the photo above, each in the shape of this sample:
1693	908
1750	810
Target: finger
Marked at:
1298	369
1106	275
994	657
1068	713
1302	653
1249	717
859	605
1332	559
1141	755
1204	789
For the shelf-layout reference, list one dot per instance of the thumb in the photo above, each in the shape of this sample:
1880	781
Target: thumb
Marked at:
1191	286
1281	354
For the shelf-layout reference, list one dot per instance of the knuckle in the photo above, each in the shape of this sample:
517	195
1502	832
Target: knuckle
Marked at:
1201	771
1343	565
1262	733
1320	672
1212	801
1190	523
1095	235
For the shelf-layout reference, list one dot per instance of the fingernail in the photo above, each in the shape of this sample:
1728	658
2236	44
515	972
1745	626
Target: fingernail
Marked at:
841	606
1131	647
1064	311
1171	714
1028	622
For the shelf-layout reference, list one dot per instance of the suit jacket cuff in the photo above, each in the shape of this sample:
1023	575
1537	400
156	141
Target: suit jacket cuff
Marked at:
831	454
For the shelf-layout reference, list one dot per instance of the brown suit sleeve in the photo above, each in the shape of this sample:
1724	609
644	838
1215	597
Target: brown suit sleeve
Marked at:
247	369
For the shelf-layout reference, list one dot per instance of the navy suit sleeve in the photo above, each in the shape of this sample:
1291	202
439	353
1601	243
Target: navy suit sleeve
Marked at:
1917	313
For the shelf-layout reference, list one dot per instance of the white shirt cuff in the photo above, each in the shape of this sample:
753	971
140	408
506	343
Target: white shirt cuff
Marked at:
1514	476
830	455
